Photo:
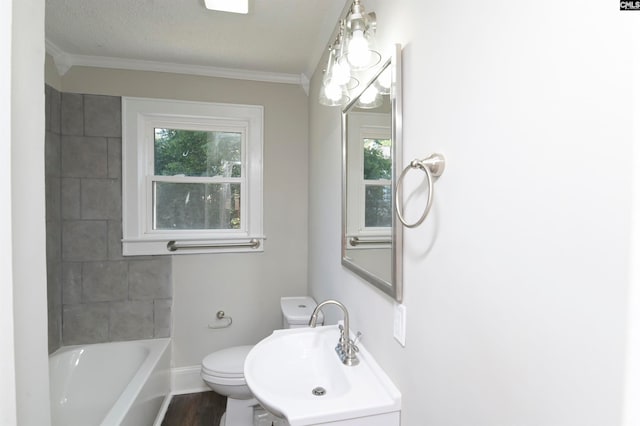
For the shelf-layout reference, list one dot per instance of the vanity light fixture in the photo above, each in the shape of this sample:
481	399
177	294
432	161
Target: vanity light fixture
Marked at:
360	41
337	79
352	51
333	95
233	6
338	70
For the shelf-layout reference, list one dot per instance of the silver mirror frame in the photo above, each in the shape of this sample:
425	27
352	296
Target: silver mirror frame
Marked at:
393	288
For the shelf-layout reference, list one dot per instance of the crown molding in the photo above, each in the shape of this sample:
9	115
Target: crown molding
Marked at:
60	58
64	61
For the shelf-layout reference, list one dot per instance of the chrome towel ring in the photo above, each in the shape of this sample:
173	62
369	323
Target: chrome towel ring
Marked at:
432	166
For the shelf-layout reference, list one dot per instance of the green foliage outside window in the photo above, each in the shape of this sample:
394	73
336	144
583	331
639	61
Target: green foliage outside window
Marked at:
197	154
377	166
377	159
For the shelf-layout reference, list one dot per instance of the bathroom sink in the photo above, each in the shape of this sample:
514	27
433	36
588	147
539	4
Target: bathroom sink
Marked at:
296	374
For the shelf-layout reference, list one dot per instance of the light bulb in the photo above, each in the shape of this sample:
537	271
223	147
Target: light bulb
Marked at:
358	50
341	73
369	96
333	91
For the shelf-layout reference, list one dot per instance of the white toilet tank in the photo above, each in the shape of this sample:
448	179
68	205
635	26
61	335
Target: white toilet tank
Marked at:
296	311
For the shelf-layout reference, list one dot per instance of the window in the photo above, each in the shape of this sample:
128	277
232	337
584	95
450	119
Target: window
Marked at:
369	213
376	181
192	177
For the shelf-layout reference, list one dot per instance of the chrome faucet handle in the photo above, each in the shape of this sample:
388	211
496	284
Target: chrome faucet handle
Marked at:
344	334
353	343
358	336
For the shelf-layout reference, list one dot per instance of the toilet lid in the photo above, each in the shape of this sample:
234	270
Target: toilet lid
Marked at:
227	362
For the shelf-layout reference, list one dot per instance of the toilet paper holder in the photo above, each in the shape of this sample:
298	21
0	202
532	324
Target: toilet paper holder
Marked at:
221	316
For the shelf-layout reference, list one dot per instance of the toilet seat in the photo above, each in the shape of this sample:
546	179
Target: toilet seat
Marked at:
226	365
223	371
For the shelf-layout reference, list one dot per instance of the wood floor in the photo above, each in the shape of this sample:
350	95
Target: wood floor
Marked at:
195	409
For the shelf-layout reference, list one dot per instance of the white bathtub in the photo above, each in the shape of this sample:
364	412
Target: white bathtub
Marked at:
108	384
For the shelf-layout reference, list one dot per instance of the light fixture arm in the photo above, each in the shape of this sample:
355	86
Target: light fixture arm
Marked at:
359	20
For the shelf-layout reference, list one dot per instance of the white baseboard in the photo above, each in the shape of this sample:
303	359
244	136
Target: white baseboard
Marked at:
187	380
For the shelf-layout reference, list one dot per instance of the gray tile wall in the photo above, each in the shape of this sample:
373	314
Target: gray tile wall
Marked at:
54	204
96	295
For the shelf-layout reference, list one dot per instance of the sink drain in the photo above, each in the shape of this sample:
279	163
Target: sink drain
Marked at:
319	391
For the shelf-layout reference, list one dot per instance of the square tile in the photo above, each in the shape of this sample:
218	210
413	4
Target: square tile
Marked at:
100	199
71	283
114	160
83	157
70	198
162	317
102	116
104	281
131	320
52	201
84	240
114	239
150	279
52	154
85	323
54	321
71	114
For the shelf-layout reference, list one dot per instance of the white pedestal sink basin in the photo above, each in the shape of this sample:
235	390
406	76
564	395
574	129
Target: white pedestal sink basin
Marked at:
297	375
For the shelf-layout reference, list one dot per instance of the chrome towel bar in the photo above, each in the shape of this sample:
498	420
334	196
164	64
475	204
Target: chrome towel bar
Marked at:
356	241
173	246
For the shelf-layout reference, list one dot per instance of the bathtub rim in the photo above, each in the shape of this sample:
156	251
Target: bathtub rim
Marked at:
157	348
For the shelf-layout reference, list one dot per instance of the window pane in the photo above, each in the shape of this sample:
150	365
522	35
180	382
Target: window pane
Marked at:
377	158
196	205
377	206
197	153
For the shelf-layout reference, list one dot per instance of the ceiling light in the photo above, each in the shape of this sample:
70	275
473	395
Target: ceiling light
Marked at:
233	6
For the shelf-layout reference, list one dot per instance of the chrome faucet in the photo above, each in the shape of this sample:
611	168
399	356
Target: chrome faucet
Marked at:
346	348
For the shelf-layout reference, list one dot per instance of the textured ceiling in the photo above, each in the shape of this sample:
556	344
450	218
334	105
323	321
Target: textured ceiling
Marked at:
277	36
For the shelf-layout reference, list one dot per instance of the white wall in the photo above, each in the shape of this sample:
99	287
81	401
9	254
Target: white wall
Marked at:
632	373
515	287
27	273
246	286
7	342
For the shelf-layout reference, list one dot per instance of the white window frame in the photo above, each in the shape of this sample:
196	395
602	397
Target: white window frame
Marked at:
140	116
363	125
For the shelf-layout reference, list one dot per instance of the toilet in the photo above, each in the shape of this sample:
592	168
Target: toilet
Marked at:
223	370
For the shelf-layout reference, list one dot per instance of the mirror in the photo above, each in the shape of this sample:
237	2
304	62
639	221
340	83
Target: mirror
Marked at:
371	153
